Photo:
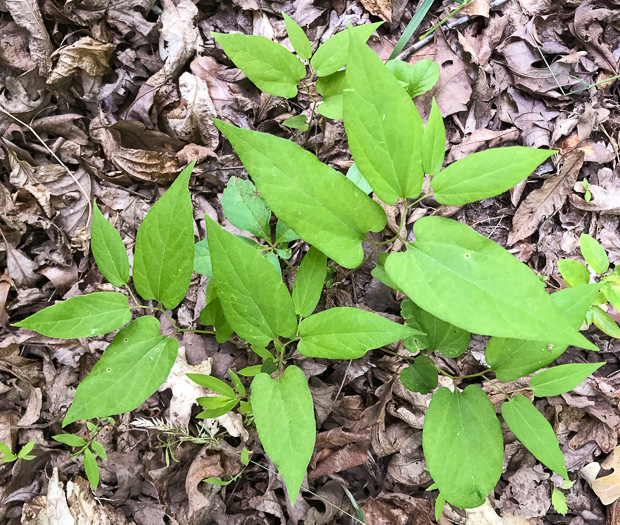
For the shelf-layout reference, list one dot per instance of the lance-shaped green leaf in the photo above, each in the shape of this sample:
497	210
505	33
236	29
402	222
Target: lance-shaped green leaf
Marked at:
298	38
611	291
486	174
535	432
108	249
383	126
462	277
417	78
347	333
331	88
245	209
515	358
255	301
133	366
273	68
433	142
91	468
463	445
604	322
213	314
284	416
213	383
421	376
561	379
164	253
355	176
216	406
332	55
309	282
321	205
297	122
450	340
593	253
573	272
82	316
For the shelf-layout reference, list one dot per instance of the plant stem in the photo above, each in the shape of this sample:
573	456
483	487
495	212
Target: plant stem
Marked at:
208	332
442	22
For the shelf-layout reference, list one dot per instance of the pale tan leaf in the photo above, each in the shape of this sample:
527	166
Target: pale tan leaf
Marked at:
87	54
607	488
606	200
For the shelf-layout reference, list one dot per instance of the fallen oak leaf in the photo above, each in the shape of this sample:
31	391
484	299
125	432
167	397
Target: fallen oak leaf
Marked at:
607	488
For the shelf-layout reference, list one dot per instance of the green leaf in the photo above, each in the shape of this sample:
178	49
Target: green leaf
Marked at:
217	481
272	68
213	383
465	279
535	432
202	258
237	383
463	445
558	500
213	315
164	253
133	366
99	450
245	209
108	249
573	272
91	468
486	174
347	333
91	427
284	234
433	142
383	126
250	371
81	316
70	439
284	416
309	282
594	253
298	38
326	209
332	55
269	367
356	177
605	323
216	406
561	379
23	453
439	505
263	353
450	340
297	122
331	88
515	358
611	290
379	273
245	456
421	376
418	78
256	303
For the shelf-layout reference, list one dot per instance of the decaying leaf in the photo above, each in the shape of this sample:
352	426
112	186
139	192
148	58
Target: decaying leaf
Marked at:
607	488
543	203
87	55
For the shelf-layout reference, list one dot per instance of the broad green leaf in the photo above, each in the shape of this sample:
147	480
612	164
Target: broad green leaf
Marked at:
383	126
355	176
245	209
611	290
213	383
108	249
133	366
332	55
535	432
297	122
164	253
433	142
486	174
216	406
309	282
284	234
298	38
255	301
515	358
324	208
330	88
270	256
604	322
202	258
421	376
594	253
213	315
347	333
558	500
99	450
81	316
273	68
573	272
450	340
561	379
417	78
91	468
465	279
284	416
379	273
70	439
463	445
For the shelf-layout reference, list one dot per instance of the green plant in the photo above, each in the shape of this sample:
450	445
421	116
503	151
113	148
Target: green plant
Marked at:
458	281
88	448
24	452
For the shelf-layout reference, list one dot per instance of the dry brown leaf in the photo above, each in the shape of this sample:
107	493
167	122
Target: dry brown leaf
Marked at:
397	509
588	27
87	54
347	457
605	200
542	203
477	8
486	515
380	8
14	46
481	138
607	488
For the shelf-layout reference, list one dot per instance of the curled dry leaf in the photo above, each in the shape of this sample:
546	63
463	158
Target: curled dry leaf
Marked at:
605	200
14	47
87	54
542	203
607	488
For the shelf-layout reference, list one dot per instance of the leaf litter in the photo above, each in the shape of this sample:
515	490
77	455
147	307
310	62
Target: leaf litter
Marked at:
125	95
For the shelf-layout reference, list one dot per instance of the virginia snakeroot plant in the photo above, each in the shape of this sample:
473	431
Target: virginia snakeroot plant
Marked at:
457	281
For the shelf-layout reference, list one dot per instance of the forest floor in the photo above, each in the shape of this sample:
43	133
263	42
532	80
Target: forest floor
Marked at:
124	94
